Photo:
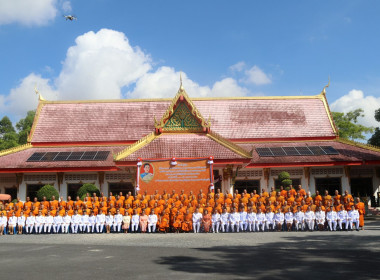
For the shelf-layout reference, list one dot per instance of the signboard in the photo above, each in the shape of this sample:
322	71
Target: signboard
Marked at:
187	175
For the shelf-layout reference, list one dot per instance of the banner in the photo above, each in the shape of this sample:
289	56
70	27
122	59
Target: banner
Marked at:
187	175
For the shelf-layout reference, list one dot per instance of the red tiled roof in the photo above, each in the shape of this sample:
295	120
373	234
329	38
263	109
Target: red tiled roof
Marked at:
347	153
183	146
230	118
19	160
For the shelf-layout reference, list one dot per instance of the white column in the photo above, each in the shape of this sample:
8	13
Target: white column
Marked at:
21	192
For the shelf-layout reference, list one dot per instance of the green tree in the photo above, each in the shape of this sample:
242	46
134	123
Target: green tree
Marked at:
348	126
375	139
24	126
8	135
48	191
87	188
284	178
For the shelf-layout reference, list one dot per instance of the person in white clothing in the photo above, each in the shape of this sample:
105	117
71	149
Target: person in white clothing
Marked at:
289	217
353	218
91	223
109	222
57	223
12	222
224	218
251	218
76	222
320	218
39	223
309	219
243	223
215	221
152	221
197	219
49	219
66	223
279	219
84	223
135	221
260	220
117	220
21	223
3	223
269	219
342	218
234	220
331	218
299	219
29	224
100	221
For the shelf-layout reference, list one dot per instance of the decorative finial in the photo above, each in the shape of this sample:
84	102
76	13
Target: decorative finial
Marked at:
324	89
180	80
39	94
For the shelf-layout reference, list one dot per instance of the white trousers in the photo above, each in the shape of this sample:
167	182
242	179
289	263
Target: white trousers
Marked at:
224	227
152	227
117	227
135	227
56	228
233	225
310	224
196	227
65	228
38	228
99	228
298	223
260	224
29	228
47	228
243	226
215	226
268	223
332	224
340	222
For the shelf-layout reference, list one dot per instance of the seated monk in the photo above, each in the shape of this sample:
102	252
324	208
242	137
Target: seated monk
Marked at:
163	224
178	219
187	224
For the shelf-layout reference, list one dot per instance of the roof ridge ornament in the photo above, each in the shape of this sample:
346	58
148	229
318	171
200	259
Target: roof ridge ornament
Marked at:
40	98
326	86
180	81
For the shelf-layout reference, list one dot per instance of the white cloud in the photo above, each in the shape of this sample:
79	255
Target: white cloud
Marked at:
66	6
100	66
238	67
27	12
256	76
355	99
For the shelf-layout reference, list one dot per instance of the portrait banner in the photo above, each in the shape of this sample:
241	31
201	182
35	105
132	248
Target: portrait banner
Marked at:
188	175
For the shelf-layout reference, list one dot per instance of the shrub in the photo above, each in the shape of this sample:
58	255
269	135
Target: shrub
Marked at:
48	191
88	188
284	178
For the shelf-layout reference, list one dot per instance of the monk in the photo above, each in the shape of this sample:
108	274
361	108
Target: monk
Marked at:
178	220
361	208
187	224
163	225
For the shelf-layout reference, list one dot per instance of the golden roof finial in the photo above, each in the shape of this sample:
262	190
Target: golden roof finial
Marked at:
326	86
40	98
180	80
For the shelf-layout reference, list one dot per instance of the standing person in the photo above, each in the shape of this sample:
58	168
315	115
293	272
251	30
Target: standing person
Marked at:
57	223
353	218
224	218
109	222
12	222
289	219
206	221
215	219
135	221
187	224
127	221
152	221
29	224
100	221
118	219
197	219
66	222
143	222
299	219
361	209
331	218
21	222
234	220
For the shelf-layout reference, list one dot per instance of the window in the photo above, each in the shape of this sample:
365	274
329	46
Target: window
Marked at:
248	185
330	184
32	189
116	188
361	187
72	190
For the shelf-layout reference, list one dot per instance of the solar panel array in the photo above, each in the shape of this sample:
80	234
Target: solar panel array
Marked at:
70	156
297	151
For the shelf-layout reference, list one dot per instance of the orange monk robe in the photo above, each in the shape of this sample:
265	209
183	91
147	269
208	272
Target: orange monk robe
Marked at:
263	208
26	212
298	200
228	201
129	201
138	210
151	203
194	203
78	203
337	199
209	209
318	200
46	204
327	199
147	211
163	224
136	202
120	201
70	212
290	200
80	211
9	213
112	198
62	204
309	200
187	224
293	192
200	210
219	208
286	209
304	207
70	203
186	202
263	199
280	199
104	209
89	204
53	212
62	212
44	212
244	200
95	210
220	201
158	210
283	193
272	199
18	212
294	208
28	204
35	211
183	210
191	209
177	203
202	201
348	199
54	203
272	207
313	207
361	209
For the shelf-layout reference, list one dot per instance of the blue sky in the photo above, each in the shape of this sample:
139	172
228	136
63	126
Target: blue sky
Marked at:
136	49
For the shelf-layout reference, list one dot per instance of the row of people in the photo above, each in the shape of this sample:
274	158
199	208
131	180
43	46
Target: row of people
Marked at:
216	222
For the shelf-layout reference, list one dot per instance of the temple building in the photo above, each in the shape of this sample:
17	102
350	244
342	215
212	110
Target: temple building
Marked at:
241	142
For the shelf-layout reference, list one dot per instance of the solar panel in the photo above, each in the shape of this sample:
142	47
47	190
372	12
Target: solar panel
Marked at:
304	151
36	157
264	152
62	156
101	155
89	155
317	151
75	156
278	151
329	150
291	151
49	156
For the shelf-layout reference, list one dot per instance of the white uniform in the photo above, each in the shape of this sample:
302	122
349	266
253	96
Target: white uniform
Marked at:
21	221
39	223
76	222
251	217
109	220
234	221
30	224
48	223
3	221
12	221
215	220
100	220
320	217
299	219
331	218
243	221
342	218
152	222
91	223
118	218
224	218
309	219
66	223
353	218
269	220
260	221
135	222
279	218
85	223
289	217
197	219
57	223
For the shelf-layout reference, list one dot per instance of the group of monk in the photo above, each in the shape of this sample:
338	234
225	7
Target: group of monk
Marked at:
290	210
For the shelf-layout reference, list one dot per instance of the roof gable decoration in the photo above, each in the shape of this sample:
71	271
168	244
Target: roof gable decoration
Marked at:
182	116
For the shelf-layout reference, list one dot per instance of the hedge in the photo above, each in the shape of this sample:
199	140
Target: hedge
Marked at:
87	188
48	191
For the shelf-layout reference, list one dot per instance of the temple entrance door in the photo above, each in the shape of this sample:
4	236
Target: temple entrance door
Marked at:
72	190
12	192
330	184
361	187
248	185
123	187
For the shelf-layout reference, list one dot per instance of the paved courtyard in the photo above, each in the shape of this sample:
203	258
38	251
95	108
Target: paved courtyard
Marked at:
298	255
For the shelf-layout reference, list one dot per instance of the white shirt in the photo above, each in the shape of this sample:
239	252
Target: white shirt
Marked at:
40	219
152	219
235	217
243	217
260	217
215	218
91	220
109	219
342	215
197	217
58	220
67	219
331	216
85	219
12	221
289	217
3	221
320	215
251	217
76	219
49	220
118	218
21	220
135	219
353	215
30	220
279	217
309	215
299	216
100	219
269	217
224	218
